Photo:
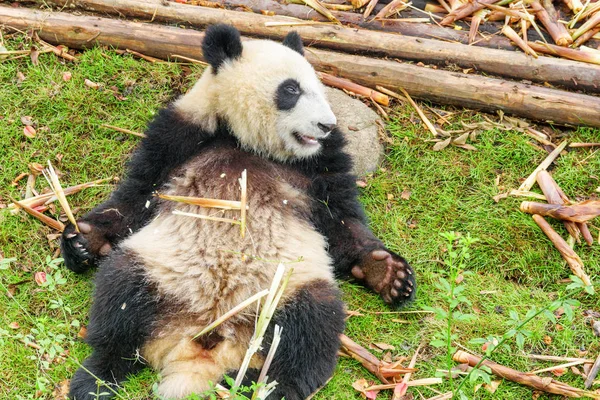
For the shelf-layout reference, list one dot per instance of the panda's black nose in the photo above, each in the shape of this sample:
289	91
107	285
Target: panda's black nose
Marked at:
326	127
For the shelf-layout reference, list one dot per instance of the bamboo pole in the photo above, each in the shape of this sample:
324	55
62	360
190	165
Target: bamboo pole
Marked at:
440	86
547	385
565	250
511	64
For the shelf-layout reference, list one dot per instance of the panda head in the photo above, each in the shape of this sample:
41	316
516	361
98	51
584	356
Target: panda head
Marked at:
266	92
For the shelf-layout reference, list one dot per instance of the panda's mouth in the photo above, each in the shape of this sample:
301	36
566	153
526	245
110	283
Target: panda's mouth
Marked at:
306	140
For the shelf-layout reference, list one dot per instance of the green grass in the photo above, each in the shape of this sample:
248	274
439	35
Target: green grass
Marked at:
450	190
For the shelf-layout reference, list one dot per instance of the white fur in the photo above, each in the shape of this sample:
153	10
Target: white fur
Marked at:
243	93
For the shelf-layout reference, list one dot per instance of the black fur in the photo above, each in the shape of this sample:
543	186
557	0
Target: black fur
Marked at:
169	143
307	353
288	94
294	42
221	43
122	315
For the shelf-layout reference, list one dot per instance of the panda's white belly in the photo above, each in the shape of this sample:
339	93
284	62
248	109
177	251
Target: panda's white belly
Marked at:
206	266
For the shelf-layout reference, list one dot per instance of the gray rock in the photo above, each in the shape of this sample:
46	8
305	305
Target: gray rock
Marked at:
357	121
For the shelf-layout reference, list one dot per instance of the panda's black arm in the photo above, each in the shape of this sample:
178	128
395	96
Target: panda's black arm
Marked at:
169	143
339	216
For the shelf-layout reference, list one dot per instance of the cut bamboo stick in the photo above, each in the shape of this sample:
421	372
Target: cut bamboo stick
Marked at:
440	86
592	374
581	212
42	199
567	252
547	385
52	223
422	115
203	202
413	383
528	183
349	39
571	54
123	130
547	14
588	25
555	195
585	232
243	202
56	187
465	10
512	35
355	88
206	217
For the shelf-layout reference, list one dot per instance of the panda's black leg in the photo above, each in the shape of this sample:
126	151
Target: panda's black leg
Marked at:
121	318
307	354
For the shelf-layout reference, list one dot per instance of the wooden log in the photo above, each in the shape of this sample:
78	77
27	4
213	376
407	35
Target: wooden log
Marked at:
503	63
554	195
565	250
581	212
547	385
440	86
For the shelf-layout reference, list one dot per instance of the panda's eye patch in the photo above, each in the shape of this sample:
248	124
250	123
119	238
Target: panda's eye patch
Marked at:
288	94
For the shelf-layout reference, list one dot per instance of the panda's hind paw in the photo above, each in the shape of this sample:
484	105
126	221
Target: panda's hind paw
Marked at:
387	274
79	249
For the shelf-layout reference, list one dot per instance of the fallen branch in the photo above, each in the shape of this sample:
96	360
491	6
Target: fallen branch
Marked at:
547	385
581	212
436	85
348	39
565	250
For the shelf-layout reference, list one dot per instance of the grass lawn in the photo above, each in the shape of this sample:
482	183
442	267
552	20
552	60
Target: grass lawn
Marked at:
513	267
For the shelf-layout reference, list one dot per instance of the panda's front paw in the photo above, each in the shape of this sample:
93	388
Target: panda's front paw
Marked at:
387	274
81	250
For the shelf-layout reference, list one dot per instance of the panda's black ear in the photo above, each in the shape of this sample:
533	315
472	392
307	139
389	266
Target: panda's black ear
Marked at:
221	43
294	42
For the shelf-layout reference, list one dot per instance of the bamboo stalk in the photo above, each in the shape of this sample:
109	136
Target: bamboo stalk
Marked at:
547	385
203	202
406	96
52	223
555	195
123	130
54	183
413	383
585	232
206	217
355	88
547	15
445	87
586	36
465	10
512	35
555	367
528	183
589	24
572	54
581	212
42	199
565	250
391	8
235	310
560	359
243	202
413	362
584	144
592	374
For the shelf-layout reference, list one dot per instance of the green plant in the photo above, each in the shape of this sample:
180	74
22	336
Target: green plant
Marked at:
452	288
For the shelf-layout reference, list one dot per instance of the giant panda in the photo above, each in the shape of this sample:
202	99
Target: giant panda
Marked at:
162	278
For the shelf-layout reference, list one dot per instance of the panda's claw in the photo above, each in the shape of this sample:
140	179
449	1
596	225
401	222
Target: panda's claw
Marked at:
80	249
387	274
